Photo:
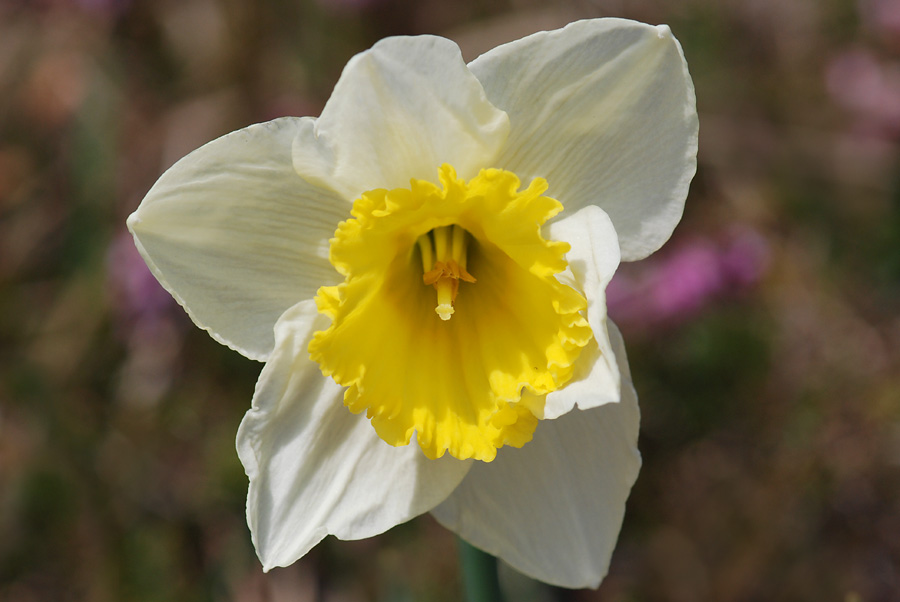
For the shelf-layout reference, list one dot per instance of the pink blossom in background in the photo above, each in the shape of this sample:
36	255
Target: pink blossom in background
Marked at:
135	293
745	258
868	88
674	287
881	16
682	284
146	321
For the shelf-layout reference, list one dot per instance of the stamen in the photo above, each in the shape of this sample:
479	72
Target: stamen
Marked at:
444	265
440	242
425	247
459	246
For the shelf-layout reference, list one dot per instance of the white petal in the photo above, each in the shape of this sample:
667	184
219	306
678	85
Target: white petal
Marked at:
593	260
315	468
237	236
553	509
605	111
399	111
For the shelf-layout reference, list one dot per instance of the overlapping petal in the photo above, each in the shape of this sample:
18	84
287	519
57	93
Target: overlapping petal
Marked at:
400	110
315	468
593	260
553	509
237	236
605	111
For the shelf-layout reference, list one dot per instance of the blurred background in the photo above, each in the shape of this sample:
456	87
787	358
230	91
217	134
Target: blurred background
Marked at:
764	338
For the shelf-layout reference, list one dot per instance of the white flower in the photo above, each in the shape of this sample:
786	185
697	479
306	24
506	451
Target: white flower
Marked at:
440	306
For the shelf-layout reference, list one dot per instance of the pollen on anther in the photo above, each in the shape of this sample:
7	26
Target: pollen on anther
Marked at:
444	310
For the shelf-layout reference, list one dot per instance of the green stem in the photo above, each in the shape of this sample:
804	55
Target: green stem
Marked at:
479	570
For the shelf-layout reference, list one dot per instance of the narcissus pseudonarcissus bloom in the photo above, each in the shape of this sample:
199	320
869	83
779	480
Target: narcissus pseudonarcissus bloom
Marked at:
422	268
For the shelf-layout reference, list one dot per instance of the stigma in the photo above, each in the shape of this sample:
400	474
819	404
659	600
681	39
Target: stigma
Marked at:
444	264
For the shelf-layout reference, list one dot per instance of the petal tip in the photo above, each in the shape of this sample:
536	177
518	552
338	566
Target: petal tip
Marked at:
663	32
132	221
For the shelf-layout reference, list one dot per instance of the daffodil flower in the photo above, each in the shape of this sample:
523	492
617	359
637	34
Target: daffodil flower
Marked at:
422	268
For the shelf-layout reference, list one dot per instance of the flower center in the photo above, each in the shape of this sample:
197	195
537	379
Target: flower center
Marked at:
456	384
444	265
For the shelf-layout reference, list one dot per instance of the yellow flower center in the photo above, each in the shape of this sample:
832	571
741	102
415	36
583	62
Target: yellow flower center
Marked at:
456	383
